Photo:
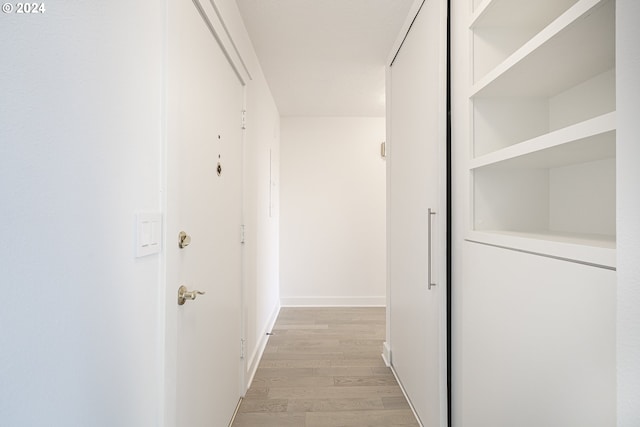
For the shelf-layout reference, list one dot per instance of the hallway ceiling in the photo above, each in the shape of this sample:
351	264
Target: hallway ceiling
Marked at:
325	57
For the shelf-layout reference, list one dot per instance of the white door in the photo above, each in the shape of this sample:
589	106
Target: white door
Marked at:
204	183
416	238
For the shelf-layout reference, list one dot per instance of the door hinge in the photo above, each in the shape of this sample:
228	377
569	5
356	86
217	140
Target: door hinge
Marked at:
242	233
242	348
244	119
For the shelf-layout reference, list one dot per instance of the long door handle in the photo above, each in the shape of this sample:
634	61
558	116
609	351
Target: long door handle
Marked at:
431	213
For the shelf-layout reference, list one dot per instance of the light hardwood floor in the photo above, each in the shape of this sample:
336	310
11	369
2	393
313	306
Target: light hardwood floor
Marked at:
322	367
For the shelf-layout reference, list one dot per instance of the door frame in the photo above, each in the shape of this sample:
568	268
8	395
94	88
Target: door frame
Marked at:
215	21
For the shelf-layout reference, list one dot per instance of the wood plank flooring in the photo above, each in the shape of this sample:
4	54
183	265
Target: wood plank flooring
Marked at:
322	367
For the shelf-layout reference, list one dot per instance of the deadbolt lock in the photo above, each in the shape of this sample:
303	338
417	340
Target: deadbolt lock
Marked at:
183	240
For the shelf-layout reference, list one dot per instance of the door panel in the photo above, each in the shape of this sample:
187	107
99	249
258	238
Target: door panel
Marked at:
204	128
417	183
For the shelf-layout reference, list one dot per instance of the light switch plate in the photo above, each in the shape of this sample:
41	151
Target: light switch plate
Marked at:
148	233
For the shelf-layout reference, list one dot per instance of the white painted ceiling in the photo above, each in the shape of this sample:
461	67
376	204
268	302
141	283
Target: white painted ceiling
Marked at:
325	57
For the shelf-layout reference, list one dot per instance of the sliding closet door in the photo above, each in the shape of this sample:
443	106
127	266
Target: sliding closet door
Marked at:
416	213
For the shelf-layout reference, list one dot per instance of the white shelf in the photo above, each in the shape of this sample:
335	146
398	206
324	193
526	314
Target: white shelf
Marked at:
587	141
518	13
575	47
500	27
590	249
480	12
543	168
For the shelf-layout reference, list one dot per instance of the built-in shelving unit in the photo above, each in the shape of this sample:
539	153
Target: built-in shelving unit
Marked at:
543	127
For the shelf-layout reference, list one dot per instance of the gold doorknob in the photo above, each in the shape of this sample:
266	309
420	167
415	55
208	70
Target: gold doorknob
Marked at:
184	294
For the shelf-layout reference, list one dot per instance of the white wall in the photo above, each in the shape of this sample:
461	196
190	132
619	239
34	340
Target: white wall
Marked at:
80	134
332	234
261	213
628	211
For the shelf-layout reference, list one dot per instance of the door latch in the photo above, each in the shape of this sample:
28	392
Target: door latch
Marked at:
184	294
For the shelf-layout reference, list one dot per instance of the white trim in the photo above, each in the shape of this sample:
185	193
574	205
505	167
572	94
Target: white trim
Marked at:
415	414
242	371
413	12
238	56
388	162
373	301
214	21
386	354
256	356
586	249
233	417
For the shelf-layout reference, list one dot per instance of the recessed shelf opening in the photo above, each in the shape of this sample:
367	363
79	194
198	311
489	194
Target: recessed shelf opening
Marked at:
576	199
543	154
499	122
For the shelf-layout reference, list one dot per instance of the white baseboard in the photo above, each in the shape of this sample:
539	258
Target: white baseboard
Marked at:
380	301
386	354
415	414
256	356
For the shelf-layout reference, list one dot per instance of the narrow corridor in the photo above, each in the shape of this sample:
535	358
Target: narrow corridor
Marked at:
323	367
